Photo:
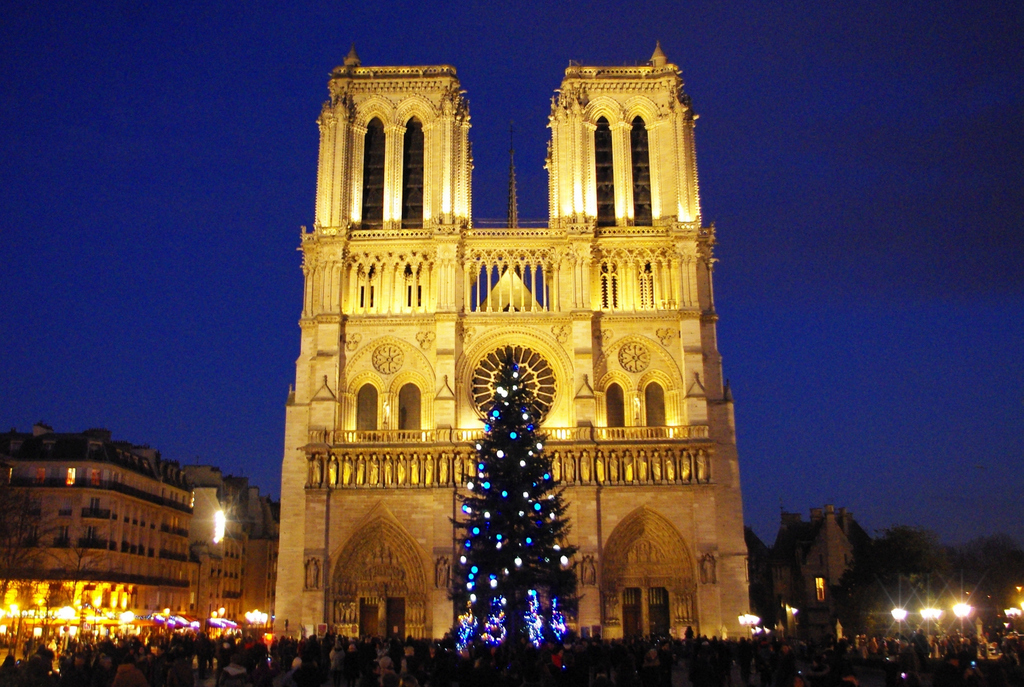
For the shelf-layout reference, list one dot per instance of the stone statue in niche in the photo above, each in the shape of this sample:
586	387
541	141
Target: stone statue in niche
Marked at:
588	572
414	469
389	470
442	470
628	472
428	470
556	467
599	468
670	467
442	572
400	471
569	468
702	466
313	573
656	466
457	468
361	471
585	466
332	472
319	477
642	466
310	471
708	572
346	471
613	467
685	466
374	477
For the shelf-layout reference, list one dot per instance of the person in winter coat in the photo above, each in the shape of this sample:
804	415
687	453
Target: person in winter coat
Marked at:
128	675
234	673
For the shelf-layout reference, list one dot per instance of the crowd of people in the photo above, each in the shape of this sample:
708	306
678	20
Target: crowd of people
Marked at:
191	660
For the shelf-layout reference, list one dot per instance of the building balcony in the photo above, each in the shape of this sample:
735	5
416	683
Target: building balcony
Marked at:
98	513
92	543
61	542
174	556
180	531
103	485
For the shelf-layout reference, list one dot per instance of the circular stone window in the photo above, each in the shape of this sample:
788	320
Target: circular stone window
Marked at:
534	370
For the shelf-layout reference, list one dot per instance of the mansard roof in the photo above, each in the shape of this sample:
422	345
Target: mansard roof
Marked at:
92	446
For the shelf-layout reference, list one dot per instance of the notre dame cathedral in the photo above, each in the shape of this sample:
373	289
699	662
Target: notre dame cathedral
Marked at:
409	307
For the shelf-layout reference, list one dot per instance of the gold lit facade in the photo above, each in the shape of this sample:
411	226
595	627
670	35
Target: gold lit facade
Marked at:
609	309
110	530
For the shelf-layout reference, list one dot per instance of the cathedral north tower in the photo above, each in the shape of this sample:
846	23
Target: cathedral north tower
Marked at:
408	307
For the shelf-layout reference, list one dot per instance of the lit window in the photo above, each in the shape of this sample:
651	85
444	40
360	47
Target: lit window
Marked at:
219	523
40	475
94	477
71	477
819	587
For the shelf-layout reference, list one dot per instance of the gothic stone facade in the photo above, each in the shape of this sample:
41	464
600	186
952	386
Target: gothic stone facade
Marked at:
609	309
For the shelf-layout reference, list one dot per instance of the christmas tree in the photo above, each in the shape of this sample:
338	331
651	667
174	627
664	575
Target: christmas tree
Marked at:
515	569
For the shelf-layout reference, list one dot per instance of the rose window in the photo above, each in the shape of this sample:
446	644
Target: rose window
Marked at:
534	371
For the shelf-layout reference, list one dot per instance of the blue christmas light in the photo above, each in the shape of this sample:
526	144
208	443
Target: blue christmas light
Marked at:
468	544
547	475
487	485
487	428
499	537
536	506
512	435
504	494
529	541
476	530
495	413
529	428
474	569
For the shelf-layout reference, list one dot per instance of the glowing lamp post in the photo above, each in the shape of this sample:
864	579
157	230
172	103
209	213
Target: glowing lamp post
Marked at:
961	611
750	621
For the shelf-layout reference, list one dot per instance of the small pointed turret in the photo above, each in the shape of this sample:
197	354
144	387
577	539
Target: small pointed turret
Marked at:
658	59
352	59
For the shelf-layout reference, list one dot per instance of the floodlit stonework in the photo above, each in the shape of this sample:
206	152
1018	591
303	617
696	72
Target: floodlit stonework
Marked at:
609	310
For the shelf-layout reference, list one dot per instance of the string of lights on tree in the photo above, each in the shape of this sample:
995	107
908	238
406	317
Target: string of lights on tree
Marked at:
515	573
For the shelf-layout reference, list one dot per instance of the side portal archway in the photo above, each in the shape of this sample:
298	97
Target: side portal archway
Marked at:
648	578
379	585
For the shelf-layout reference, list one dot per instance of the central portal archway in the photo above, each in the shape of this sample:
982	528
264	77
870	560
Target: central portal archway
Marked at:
648	582
379	584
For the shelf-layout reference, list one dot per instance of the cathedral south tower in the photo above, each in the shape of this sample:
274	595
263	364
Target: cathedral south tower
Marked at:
409	309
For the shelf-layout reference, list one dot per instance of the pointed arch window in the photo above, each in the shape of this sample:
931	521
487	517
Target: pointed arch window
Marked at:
615	409
366	408
641	164
412	175
373	173
609	285
604	174
409	407
654	404
645	277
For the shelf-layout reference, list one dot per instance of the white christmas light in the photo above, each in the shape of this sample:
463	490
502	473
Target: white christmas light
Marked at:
472	597
500	454
525	416
522	463
519	561
462	560
494	584
565	560
487	515
469	485
540	446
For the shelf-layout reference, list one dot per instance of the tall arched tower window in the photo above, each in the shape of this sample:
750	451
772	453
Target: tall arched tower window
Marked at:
366	408
412	175
409	407
373	173
604	174
641	165
615	409
654	403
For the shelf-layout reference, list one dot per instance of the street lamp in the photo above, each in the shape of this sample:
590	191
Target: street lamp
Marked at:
961	611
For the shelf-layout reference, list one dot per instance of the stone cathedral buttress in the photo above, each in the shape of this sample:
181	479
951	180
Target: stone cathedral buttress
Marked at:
408	308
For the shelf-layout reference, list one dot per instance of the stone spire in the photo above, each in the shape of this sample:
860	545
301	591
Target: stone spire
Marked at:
352	59
658	59
513	205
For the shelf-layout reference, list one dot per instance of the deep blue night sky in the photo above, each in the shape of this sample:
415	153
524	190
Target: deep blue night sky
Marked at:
862	165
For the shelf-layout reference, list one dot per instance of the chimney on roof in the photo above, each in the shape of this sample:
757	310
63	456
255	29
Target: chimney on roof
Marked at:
98	433
830	511
816	515
40	428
